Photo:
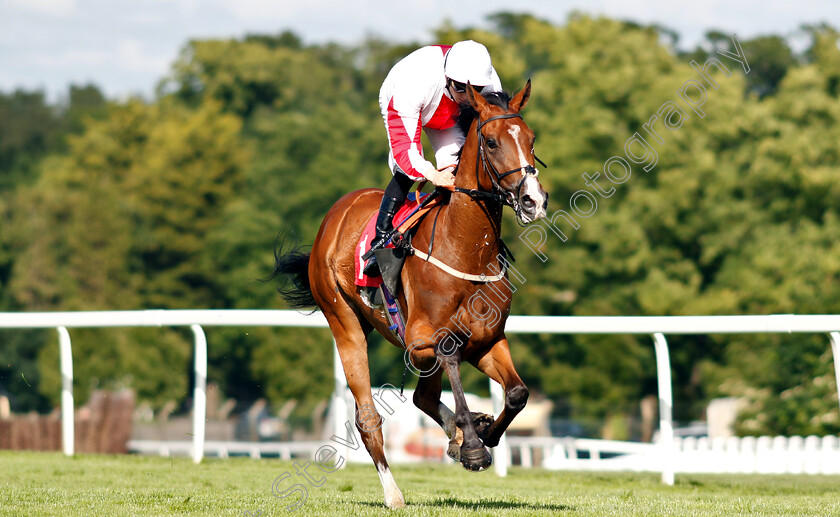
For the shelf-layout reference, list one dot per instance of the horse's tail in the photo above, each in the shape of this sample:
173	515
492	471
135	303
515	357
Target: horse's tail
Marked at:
294	265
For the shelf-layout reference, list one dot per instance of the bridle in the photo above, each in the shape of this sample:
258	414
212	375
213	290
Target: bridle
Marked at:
498	194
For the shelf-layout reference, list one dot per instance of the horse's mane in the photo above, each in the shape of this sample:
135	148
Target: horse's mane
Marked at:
468	114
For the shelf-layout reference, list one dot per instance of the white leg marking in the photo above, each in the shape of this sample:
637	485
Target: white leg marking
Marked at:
393	497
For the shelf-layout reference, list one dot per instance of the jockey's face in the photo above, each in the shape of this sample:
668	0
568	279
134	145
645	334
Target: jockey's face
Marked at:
459	91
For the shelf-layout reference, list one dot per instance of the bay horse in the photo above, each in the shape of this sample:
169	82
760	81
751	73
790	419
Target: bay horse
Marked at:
447	318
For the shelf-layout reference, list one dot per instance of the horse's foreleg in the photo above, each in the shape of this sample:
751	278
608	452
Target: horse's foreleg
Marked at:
427	399
498	365
473	455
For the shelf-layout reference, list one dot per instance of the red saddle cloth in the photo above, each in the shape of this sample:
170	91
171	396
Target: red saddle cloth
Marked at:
406	210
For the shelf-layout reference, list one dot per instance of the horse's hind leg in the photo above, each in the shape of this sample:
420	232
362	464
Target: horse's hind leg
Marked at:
352	347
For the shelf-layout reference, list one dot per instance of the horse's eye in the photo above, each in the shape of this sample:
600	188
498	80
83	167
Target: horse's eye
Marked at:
491	143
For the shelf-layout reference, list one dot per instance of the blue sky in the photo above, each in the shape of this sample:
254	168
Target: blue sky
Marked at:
127	46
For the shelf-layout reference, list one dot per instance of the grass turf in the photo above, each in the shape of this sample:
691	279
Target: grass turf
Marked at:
34	483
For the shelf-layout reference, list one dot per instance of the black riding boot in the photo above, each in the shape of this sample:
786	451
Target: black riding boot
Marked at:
384	222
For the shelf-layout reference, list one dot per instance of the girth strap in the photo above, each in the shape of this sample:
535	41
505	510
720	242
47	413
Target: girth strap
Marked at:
459	274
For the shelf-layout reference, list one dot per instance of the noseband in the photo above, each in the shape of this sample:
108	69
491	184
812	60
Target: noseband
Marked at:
498	194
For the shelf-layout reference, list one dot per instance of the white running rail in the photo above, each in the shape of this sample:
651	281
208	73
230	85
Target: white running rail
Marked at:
655	326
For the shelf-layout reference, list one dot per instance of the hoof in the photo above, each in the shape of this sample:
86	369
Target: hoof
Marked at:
476	460
454	450
482	423
396	504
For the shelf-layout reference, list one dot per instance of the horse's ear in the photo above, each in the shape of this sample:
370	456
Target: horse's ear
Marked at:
520	99
476	100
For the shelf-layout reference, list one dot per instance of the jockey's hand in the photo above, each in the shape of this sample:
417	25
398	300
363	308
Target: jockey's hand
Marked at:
398	240
441	178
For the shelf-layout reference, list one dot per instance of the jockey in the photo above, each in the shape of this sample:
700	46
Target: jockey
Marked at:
424	90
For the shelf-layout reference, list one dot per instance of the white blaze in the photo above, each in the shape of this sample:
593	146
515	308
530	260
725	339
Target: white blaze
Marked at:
531	187
514	132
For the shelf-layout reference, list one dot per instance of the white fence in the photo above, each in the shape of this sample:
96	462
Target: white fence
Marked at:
748	455
656	326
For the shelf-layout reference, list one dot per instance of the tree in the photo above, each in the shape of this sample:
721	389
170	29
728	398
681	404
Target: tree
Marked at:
314	137
119	223
29	128
178	204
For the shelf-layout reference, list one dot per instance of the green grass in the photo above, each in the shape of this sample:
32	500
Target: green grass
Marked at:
35	484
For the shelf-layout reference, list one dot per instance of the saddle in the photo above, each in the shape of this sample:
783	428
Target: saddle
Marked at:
409	215
381	290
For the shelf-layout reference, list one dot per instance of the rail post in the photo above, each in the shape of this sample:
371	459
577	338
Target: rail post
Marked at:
68	435
666	402
199	393
835	351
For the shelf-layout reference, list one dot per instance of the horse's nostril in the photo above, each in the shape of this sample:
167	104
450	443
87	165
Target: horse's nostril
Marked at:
528	203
